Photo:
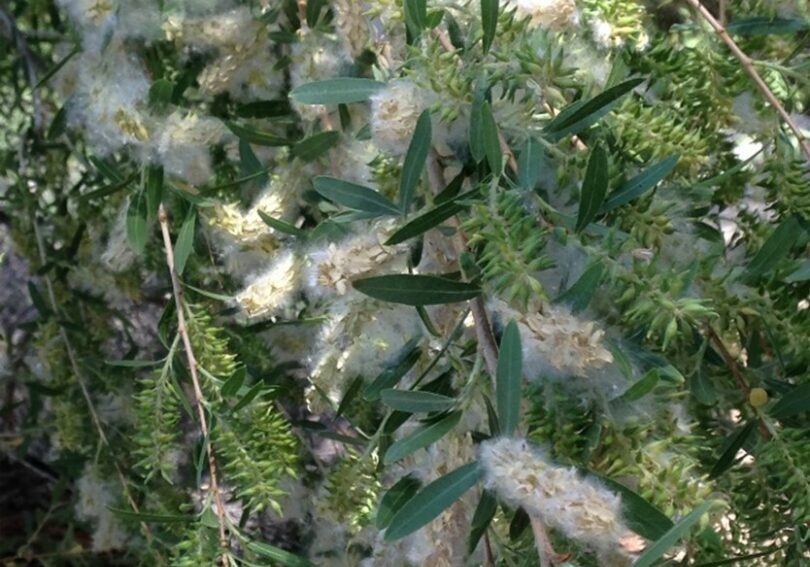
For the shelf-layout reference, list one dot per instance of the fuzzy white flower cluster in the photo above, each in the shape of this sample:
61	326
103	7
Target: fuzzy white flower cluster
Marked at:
554	14
96	495
394	112
581	509
557	343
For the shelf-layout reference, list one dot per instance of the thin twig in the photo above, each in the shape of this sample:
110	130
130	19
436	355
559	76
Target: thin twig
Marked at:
182	329
79	376
748	66
736	372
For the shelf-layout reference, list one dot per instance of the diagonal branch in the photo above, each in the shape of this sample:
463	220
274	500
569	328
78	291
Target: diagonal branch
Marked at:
182	329
748	66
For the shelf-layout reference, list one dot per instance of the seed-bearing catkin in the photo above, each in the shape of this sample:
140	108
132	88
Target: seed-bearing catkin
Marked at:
581	509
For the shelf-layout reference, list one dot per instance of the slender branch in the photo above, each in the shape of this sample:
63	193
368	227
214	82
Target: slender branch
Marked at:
748	66
736	372
182	329
79	376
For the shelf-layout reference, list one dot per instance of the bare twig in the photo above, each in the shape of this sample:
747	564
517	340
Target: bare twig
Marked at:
748	66
182	329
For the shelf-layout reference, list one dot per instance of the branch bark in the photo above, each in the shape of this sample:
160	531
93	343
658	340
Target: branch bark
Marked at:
182	329
748	66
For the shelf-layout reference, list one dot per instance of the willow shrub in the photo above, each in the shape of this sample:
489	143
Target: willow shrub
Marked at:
493	283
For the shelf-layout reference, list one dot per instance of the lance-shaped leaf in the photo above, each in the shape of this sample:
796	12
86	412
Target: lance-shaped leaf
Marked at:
137	224
416	401
353	196
530	163
389	377
185	241
422	437
280	225
801	274
278	555
432	501
640	184
489	137
594	187
482	517
315	146
728	452
794	402
254	136
394	499
416	289
641	516
509	376
579	115
764	25
431	218
489	21
414	163
579	295
776	247
679	530
415	16
336	91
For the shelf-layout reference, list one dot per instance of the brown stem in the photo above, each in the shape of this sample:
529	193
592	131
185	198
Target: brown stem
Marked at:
748	66
182	329
736	372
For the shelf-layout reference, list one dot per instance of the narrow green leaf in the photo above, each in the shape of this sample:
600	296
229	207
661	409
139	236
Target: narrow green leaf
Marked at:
416	401
185	241
38	301
702	388
354	196
355	386
314	8
58	124
280	225
55	69
432	501
389	377
641	516
133	363
679	530
264	109
336	91
489	136
421	437
594	187
248	397
579	115
151	518
764	25
430	219
492	418
643	387
795	402
728	452
509	379
579	295
489	21
530	163
415	17
277	554
414	163
234	383
482	517
209	294
137	222
253	136
776	247
476	134
416	289
316	145
394	499
640	184
154	191
801	274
